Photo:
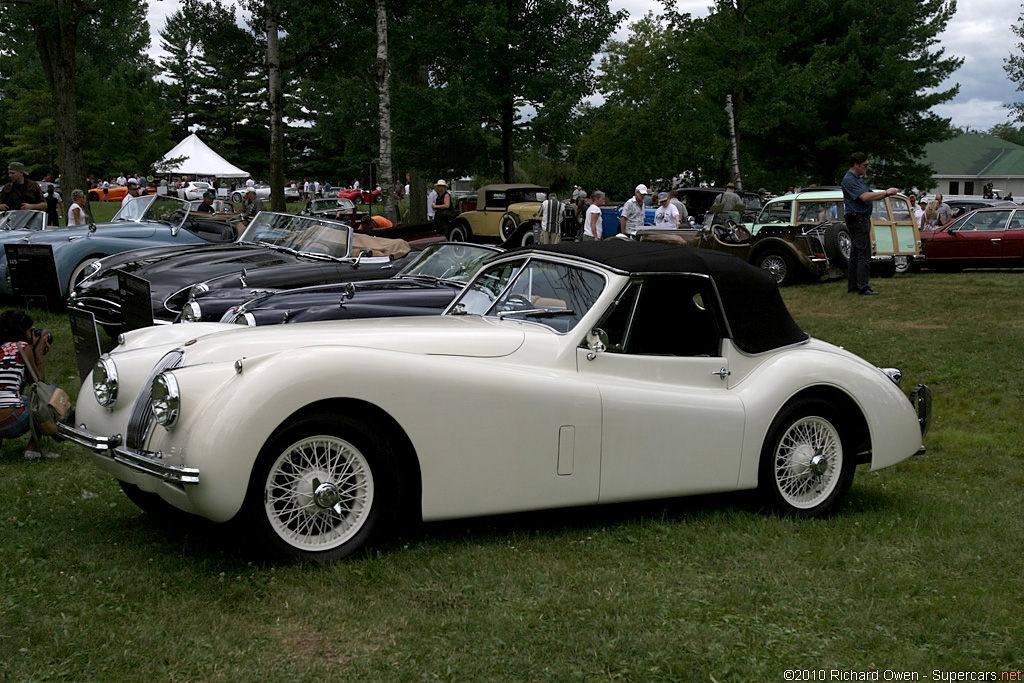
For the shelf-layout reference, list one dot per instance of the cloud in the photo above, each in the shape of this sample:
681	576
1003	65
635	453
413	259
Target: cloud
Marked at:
976	113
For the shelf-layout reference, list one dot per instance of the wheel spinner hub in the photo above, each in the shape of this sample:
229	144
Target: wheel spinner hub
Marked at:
311	490
326	495
809	460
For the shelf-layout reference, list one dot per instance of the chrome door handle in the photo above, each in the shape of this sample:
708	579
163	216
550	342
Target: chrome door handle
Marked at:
723	373
996	239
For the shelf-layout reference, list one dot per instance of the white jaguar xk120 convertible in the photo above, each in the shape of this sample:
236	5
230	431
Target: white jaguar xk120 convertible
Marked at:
562	375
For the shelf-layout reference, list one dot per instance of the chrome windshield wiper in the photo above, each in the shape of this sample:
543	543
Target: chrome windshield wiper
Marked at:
278	247
539	312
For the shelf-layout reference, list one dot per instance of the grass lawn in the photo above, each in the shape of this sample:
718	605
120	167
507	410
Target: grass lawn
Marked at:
919	571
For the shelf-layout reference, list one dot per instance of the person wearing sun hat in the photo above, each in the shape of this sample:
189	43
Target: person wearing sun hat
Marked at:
442	204
729	200
667	215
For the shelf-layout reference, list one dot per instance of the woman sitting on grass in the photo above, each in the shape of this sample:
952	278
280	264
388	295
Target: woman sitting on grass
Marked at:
17	334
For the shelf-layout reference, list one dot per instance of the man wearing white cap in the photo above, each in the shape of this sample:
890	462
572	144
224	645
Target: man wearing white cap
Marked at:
633	211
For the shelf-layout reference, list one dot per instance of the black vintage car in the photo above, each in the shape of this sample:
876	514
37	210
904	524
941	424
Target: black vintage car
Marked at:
276	250
425	286
699	201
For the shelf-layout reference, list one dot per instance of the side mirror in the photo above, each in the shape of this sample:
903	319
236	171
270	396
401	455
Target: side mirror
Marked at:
347	293
597	342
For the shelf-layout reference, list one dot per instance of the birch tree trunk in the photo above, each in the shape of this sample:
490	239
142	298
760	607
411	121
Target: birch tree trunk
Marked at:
382	71
276	97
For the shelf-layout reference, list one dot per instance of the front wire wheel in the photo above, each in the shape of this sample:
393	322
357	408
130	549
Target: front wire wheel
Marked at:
806	467
323	489
318	493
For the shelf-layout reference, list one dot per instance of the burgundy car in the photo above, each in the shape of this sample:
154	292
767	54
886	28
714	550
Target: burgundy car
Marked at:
984	238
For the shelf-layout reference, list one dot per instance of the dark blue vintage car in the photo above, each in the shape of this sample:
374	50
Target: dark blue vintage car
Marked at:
276	251
152	220
425	286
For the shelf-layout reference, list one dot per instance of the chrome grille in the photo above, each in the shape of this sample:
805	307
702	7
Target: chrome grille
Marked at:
141	419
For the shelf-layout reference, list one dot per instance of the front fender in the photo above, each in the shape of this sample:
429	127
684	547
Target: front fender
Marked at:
227	416
893	427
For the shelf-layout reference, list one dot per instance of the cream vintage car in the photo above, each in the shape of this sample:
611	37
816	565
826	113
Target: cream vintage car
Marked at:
499	211
564	375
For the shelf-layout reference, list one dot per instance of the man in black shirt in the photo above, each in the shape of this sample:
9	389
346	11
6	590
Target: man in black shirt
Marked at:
21	193
207	205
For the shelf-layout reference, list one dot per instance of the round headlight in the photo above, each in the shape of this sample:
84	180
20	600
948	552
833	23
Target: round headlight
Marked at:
104	382
198	290
90	270
246	319
165	399
191	312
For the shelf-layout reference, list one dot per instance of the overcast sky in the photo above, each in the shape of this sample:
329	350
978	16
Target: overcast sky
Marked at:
980	33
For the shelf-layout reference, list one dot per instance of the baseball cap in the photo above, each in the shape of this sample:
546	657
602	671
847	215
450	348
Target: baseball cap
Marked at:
642	189
663	196
209	194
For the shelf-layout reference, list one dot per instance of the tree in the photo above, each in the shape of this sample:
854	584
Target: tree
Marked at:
55	26
181	39
518	54
1014	67
810	82
134	110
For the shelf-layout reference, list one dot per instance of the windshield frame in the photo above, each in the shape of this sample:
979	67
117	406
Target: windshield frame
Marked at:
6	216
520	264
430	251
299	232
141	209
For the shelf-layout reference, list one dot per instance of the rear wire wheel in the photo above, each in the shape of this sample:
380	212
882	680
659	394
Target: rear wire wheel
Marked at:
807	464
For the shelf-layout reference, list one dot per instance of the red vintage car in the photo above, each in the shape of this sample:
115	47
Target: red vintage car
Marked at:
362	197
984	238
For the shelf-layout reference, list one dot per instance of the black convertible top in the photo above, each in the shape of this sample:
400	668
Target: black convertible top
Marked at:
753	306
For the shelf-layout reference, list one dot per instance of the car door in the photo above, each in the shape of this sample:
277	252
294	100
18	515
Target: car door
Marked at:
670	423
978	239
1011	249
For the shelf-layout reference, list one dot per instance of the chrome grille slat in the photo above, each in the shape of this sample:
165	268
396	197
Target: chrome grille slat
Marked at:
141	419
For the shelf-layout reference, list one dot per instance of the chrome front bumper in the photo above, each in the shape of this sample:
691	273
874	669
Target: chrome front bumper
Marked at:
921	399
144	462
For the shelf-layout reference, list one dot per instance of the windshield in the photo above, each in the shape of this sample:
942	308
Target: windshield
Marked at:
22	220
313	235
553	294
154	207
331	203
455	262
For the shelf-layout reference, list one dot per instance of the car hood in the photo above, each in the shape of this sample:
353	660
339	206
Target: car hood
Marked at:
171	268
402	296
468	336
53	235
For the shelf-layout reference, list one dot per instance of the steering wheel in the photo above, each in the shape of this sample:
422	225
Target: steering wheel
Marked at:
517	301
732	230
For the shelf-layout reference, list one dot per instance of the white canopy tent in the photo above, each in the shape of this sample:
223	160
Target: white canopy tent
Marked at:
196	158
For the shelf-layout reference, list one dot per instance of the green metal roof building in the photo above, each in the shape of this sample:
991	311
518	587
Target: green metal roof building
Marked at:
965	164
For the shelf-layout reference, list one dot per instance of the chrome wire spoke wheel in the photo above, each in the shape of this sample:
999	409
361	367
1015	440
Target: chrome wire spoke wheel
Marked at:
776	265
318	493
808	462
845	244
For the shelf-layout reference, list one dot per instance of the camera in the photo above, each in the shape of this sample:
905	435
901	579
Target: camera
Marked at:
37	332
